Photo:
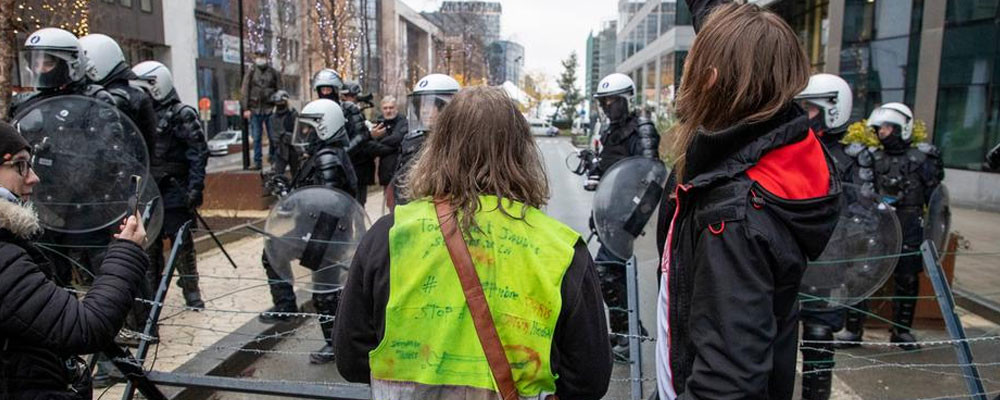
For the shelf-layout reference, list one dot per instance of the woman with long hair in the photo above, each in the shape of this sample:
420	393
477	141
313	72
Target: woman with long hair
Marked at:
753	201
404	324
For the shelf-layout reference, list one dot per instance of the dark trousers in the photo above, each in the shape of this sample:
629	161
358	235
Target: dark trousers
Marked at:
186	264
283	296
611	270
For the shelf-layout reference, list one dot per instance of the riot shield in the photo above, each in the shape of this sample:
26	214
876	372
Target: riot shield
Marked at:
85	152
151	210
313	232
625	199
937	225
859	257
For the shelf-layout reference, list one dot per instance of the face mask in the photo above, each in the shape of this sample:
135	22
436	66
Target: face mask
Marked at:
817	125
894	142
261	62
616	110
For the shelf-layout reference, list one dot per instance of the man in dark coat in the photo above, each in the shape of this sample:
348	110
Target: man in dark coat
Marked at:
259	84
388	135
42	326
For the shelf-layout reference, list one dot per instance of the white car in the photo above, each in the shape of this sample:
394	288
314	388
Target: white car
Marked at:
219	145
539	127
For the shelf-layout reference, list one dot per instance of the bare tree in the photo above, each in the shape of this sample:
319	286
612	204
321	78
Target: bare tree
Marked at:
335	35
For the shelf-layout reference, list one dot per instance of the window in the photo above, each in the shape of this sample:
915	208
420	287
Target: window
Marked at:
126	3
653	25
668	15
146	5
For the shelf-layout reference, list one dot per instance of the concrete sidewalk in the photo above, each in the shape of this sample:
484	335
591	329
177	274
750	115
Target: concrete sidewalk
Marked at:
977	267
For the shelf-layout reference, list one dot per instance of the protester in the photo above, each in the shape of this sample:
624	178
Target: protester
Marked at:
42	326
259	84
404	325
388	135
756	199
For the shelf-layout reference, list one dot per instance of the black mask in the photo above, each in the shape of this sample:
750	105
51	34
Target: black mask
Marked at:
281	107
56	77
817	125
616	109
332	96
894	142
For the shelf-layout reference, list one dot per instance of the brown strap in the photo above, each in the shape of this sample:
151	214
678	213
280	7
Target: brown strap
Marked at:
476	299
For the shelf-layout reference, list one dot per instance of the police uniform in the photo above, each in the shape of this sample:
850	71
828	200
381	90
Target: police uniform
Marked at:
178	162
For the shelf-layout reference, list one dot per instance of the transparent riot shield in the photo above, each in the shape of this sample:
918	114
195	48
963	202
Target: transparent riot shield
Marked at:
937	225
859	257
151	210
626	198
85	151
313	232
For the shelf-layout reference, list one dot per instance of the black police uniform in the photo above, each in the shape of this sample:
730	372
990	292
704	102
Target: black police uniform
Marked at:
633	136
359	149
177	163
283	123
134	102
408	150
329	166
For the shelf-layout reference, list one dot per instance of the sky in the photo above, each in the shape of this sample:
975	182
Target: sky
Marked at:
548	29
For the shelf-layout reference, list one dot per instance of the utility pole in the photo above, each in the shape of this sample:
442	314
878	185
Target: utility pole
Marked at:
243	74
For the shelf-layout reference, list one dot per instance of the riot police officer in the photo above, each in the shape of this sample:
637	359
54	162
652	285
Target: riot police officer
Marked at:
54	64
107	67
905	175
626	135
283	123
429	96
827	100
329	85
177	163
320	131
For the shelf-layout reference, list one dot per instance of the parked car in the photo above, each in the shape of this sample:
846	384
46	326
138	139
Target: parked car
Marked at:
552	131
539	127
219	145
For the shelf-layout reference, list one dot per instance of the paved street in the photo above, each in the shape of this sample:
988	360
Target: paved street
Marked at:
873	372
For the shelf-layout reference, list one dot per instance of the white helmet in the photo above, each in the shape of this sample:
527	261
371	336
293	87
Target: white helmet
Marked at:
615	85
429	96
319	121
104	56
832	95
156	79
893	113
52	58
327	77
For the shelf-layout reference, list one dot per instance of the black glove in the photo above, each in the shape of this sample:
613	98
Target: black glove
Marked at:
194	199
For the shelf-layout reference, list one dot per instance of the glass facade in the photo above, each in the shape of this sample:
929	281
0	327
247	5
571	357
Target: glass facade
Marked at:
880	50
810	21
968	103
657	77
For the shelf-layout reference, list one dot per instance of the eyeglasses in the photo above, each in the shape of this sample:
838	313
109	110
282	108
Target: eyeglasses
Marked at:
22	166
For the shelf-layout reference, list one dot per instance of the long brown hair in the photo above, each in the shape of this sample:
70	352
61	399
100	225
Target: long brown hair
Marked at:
758	67
480	145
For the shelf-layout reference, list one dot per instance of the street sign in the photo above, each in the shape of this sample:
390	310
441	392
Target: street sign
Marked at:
204	103
231	108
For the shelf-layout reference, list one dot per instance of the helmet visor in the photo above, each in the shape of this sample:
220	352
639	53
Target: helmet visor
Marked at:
44	69
306	132
424	109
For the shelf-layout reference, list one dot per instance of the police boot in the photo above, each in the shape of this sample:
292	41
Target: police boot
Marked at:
276	314
854	328
282	294
188	269
903	310
817	361
326	304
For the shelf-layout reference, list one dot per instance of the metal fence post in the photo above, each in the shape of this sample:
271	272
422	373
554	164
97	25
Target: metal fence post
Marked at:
634	343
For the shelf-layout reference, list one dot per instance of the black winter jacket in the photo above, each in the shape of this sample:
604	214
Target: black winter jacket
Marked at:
180	155
581	354
387	148
758	202
41	324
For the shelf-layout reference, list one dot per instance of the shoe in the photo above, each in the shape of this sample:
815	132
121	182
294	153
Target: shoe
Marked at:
323	356
906	340
620	350
272	316
255	167
846	339
192	299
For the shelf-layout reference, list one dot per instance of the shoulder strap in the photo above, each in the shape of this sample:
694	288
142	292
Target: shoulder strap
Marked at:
476	299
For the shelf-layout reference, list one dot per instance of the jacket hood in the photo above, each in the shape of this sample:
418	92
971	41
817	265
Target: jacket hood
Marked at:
20	220
791	169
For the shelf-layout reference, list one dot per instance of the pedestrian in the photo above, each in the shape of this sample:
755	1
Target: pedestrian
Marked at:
178	161
905	175
259	84
43	327
283	122
627	135
755	199
388	134
321	135
404	324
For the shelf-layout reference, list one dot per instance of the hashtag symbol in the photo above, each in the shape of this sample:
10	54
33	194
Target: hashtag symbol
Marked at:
429	284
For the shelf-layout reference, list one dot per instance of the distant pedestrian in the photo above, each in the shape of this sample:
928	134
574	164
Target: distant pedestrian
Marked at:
388	135
259	84
405	324
755	200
